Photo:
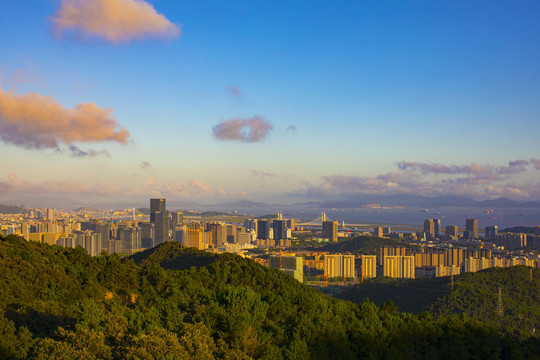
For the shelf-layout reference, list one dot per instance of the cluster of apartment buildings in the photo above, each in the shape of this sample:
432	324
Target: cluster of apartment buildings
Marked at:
133	235
433	261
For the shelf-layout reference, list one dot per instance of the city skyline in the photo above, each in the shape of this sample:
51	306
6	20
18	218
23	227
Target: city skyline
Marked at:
113	102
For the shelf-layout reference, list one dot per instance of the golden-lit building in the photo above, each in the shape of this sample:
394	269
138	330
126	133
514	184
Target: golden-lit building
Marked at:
291	224
369	266
339	266
442	270
378	231
193	238
291	265
391	251
400	267
429	228
477	264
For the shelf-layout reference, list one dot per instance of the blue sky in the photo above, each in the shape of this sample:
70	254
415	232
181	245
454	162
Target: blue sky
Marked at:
336	95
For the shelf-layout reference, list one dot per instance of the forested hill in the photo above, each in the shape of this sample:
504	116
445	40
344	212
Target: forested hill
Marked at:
477	295
169	304
360	245
474	294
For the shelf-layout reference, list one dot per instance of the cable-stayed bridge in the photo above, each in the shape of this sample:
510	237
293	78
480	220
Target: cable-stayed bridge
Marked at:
317	221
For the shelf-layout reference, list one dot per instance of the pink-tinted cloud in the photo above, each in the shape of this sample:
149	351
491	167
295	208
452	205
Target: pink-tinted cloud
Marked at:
467	180
234	91
245	130
475	171
536	163
514	167
443	169
34	121
114	20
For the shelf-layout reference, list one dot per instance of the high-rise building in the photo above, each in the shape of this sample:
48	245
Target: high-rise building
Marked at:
511	240
471	229
280	230
291	265
429	228
377	231
51	215
391	251
194	238
401	267
219	233
131	239
177	219
341	266
437	227
369	266
157	205
245	237
251	224
114	246
147	235
263	230
453	257
477	264
330	230
491	232
105	230
451	231
159	216
291	224
231	234
441	270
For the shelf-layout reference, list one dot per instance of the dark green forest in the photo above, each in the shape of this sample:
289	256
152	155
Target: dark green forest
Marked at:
368	245
474	294
175	303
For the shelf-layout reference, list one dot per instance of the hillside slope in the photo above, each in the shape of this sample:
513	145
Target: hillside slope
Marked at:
166	304
473	294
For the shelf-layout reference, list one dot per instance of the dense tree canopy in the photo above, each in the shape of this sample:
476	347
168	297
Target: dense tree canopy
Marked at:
176	303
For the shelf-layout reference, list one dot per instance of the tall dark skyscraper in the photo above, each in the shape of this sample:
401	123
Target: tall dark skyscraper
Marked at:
157	205
147	235
429	228
263	230
159	216
330	230
437	227
491	232
280	230
471	229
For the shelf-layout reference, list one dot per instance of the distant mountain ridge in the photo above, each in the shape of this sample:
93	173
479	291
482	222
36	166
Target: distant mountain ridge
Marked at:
11	209
358	201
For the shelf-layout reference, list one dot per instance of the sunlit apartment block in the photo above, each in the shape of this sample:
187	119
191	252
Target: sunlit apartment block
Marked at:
369	266
341	266
400	267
